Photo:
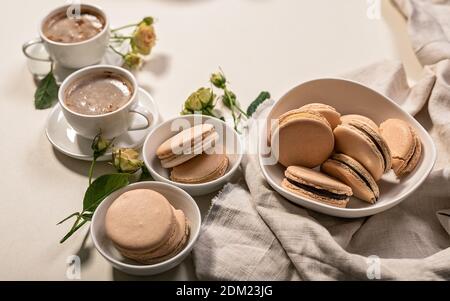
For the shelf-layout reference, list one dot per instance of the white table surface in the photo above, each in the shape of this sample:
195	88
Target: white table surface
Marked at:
260	44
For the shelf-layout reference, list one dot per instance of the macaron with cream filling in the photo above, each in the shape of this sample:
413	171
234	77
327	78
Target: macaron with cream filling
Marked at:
201	169
361	142
187	144
351	172
316	186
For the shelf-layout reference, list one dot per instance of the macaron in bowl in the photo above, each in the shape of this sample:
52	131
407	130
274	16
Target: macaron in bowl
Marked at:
317	186
351	172
348	97
333	117
404	143
111	241
302	137
361	142
206	171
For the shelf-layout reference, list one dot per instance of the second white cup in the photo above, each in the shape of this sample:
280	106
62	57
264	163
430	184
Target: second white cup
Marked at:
72	55
111	124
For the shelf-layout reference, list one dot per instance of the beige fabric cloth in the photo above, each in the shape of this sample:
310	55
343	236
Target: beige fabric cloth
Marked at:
252	233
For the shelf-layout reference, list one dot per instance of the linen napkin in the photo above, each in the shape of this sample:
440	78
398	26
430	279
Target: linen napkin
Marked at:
252	233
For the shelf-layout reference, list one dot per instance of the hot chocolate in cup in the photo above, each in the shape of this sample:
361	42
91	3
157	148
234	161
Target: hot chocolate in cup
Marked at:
74	36
101	98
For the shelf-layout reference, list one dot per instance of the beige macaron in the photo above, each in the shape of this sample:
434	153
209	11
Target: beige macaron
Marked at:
404	143
351	172
333	117
176	242
360	141
186	145
361	118
316	186
302	137
201	169
145	227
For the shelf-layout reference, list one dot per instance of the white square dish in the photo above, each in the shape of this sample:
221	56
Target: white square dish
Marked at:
350	97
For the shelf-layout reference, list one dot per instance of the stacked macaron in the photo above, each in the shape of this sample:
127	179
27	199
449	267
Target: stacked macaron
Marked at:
144	226
194	155
352	151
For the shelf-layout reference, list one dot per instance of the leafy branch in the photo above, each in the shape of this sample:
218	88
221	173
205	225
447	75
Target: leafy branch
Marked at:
126	163
203	100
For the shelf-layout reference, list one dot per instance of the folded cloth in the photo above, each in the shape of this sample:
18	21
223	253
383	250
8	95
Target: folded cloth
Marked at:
252	233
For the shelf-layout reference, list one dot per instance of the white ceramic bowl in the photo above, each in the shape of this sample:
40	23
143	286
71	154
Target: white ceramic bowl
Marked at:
179	200
350	97
170	128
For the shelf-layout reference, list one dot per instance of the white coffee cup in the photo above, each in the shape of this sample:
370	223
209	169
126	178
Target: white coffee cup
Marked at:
72	55
111	124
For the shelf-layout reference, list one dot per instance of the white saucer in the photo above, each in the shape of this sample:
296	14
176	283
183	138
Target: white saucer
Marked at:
66	140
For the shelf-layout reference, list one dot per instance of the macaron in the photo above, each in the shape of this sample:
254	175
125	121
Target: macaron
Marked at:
362	118
201	169
361	142
302	137
186	145
316	186
351	172
405	145
144	226
333	117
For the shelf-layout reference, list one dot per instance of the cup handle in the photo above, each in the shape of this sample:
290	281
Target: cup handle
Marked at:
144	112
31	43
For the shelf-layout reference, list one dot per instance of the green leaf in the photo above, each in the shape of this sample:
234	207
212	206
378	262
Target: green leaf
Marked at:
46	93
263	96
101	188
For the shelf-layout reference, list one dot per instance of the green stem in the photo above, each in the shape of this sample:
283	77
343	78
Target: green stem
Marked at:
233	104
91	169
234	119
117	51
121	37
242	112
123	27
70	216
75	227
210	112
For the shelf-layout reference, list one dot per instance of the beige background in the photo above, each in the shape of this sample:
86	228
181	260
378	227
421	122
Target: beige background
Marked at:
261	44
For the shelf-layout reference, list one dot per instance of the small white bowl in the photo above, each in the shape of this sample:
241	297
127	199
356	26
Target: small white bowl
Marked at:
179	200
227	135
349	97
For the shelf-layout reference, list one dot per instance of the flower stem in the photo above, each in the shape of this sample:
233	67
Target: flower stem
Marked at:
117	51
123	27
121	37
75	227
91	170
242	112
